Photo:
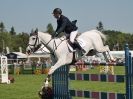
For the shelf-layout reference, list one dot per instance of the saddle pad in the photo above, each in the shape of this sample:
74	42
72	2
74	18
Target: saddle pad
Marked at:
81	42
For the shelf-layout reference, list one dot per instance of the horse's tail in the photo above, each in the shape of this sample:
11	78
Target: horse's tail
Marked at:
104	38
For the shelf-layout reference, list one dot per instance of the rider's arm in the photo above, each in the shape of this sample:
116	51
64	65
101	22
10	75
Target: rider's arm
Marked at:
57	27
62	28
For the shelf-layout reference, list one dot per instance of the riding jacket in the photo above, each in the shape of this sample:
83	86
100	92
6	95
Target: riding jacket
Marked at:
65	25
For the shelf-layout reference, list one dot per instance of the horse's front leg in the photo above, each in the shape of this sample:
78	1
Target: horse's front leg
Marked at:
58	64
66	59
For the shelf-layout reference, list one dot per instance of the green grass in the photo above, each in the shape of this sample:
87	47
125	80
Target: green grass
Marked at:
27	86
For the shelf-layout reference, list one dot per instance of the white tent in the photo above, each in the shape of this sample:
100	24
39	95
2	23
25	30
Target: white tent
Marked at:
41	52
20	55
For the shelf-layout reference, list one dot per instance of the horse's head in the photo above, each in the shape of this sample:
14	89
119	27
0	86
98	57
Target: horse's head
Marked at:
34	42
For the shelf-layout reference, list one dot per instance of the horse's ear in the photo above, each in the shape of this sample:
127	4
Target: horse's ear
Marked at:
36	31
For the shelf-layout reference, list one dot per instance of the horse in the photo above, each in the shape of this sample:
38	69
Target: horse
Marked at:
60	49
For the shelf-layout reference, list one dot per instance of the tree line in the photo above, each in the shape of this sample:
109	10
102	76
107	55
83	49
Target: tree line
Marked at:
115	39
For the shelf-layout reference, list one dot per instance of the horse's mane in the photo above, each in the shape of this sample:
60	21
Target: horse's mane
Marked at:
46	33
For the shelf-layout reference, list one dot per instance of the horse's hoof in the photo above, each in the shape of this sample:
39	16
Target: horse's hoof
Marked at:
46	93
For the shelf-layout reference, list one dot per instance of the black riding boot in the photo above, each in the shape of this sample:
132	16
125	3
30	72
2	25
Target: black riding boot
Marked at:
79	47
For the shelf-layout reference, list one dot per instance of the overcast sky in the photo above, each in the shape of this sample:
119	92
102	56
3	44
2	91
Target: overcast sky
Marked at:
27	14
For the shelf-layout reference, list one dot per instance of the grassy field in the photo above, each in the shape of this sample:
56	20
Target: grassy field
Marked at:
27	86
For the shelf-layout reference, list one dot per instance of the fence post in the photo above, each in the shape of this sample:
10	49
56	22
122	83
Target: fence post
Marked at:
132	78
60	83
127	72
4	70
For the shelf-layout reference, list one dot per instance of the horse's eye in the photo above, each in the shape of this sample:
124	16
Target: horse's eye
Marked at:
33	38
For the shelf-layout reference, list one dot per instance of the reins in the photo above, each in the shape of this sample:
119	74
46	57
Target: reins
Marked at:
55	46
52	51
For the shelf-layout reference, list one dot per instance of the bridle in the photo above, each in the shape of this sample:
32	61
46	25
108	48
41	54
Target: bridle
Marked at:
55	46
34	45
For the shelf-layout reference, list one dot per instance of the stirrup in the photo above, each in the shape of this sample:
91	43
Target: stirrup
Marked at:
83	50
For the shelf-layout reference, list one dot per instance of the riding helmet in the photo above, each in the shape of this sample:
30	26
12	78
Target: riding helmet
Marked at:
57	10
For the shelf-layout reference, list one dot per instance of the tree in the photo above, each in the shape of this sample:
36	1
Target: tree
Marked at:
2	27
50	29
25	39
22	38
4	40
12	31
100	27
117	39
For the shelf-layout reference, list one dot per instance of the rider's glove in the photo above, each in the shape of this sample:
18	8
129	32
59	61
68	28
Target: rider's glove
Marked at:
56	34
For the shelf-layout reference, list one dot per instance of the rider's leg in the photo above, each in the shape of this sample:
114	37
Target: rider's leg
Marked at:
72	39
73	35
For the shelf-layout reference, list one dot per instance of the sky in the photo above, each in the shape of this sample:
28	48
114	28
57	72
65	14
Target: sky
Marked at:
26	15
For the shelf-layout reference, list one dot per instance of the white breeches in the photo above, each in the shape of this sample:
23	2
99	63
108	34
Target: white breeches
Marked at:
73	35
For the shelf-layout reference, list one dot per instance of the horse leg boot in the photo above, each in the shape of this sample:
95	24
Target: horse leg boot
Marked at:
106	57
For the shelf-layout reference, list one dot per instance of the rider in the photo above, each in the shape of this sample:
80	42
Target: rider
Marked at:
65	25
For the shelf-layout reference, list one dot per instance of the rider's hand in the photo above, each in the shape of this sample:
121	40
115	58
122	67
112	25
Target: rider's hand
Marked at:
56	34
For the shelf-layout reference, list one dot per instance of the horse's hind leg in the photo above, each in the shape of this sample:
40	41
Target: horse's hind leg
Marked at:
108	57
109	69
105	50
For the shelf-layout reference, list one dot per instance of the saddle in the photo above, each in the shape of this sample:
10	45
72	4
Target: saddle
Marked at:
73	48
75	45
